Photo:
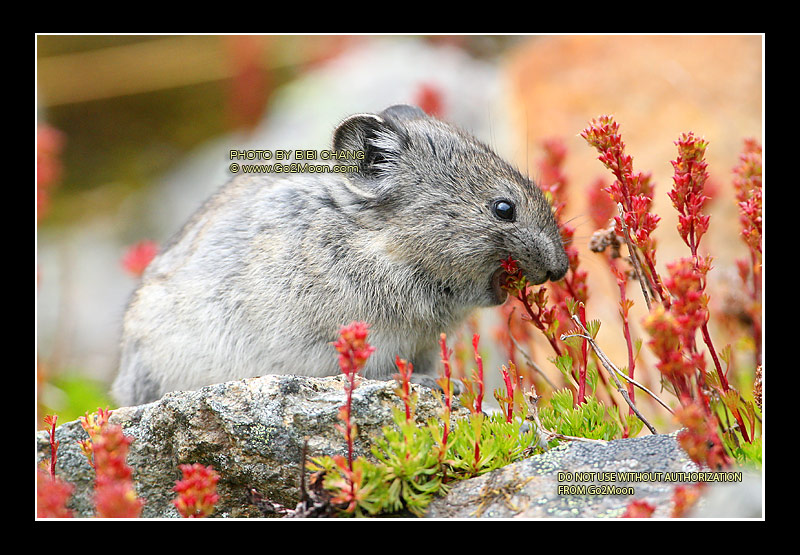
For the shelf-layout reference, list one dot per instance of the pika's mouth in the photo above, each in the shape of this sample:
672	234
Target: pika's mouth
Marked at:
496	283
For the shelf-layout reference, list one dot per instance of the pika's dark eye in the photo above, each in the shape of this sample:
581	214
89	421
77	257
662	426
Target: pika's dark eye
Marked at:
504	209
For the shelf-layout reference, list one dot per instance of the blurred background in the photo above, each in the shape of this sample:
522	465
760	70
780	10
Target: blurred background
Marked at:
133	133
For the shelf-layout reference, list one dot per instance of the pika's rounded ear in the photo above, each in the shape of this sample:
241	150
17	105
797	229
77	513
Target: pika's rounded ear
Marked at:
377	137
354	132
403	112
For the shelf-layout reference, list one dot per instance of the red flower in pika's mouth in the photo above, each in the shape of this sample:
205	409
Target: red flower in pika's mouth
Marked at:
510	266
507	279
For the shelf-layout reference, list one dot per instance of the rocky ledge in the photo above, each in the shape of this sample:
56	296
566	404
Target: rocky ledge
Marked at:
253	431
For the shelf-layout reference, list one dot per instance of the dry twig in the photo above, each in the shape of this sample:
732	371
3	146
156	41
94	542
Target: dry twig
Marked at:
613	371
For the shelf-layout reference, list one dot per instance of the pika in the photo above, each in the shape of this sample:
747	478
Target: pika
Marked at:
262	277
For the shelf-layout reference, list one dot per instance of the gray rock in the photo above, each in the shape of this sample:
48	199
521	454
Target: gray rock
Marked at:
530	488
251	431
732	500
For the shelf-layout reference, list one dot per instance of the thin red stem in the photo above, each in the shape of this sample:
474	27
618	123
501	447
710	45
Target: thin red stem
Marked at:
351	375
447	391
723	380
631	361
582	362
535	319
478	400
53	447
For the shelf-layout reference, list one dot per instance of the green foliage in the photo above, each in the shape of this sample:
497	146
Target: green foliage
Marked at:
590	420
745	454
410	468
70	395
501	443
592	375
564	365
371	497
410	457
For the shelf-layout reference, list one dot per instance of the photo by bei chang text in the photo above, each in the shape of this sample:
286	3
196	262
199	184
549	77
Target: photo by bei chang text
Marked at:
605	487
294	161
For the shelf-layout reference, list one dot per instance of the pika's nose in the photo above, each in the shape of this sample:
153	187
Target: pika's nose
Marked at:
555	276
560	270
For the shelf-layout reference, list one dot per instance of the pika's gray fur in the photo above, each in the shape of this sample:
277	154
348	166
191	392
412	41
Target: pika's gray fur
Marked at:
262	277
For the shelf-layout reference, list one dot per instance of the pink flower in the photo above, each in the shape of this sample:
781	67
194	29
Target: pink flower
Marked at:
49	144
138	256
430	99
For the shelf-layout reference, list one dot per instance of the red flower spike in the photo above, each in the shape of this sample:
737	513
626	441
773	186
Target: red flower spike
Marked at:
639	508
197	491
666	336
107	449
115	496
117	500
52	495
633	191
686	283
699	437
353	347
446	385
477	422
749	193
687	193
684	497
353	352
749	196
